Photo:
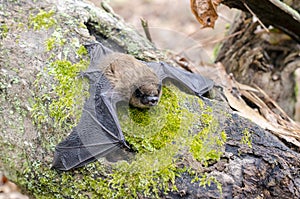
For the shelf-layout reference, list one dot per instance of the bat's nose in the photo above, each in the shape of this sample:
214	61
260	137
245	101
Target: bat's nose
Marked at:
151	100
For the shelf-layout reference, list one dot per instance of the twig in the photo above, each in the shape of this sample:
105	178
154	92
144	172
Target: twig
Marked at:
253	14
146	29
200	45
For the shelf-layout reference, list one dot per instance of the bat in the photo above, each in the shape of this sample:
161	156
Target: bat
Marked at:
115	77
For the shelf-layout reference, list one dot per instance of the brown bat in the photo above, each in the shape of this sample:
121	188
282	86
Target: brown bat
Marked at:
116	77
133	80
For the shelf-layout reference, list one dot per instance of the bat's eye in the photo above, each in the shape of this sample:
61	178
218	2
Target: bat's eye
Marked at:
138	93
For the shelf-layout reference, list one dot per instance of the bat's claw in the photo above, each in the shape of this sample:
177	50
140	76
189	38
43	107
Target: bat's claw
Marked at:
125	144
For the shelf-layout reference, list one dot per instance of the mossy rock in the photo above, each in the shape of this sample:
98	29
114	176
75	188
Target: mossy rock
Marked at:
161	137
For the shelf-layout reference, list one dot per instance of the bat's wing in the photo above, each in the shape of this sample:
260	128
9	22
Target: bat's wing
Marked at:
195	83
96	51
98	133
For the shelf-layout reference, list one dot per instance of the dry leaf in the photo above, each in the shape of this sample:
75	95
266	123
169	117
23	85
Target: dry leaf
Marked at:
254	116
9	190
205	11
279	124
7	186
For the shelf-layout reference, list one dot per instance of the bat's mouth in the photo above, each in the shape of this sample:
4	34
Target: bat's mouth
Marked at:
150	100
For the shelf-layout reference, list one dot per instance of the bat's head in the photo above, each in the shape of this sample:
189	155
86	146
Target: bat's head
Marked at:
146	95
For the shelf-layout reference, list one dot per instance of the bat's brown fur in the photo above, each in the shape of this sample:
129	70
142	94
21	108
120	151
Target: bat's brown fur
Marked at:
127	74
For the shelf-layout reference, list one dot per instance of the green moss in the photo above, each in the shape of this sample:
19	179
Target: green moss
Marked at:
206	146
246	139
207	180
42	20
81	51
216	50
157	134
152	129
3	30
50	43
56	40
148	175
67	89
43	182
66	92
56	105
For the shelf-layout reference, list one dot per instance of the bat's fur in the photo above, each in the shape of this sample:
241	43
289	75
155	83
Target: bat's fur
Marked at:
127	74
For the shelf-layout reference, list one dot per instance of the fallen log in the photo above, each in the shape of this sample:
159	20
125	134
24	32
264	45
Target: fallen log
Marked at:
214	152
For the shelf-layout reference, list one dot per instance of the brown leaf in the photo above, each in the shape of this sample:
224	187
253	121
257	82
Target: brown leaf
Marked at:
7	186
279	124
205	11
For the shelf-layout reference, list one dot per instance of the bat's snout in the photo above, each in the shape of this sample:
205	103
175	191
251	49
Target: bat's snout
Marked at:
150	100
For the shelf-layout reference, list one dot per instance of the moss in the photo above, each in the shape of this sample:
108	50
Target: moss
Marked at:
207	180
67	88
149	175
56	40
3	30
151	172
152	129
216	50
206	146
57	105
157	134
246	139
66	92
43	182
81	51
50	43
42	20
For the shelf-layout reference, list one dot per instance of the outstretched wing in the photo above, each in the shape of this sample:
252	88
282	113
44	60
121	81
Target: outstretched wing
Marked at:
195	83
98	133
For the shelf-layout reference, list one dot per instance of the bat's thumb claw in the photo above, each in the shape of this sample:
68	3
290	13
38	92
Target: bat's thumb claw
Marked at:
125	144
